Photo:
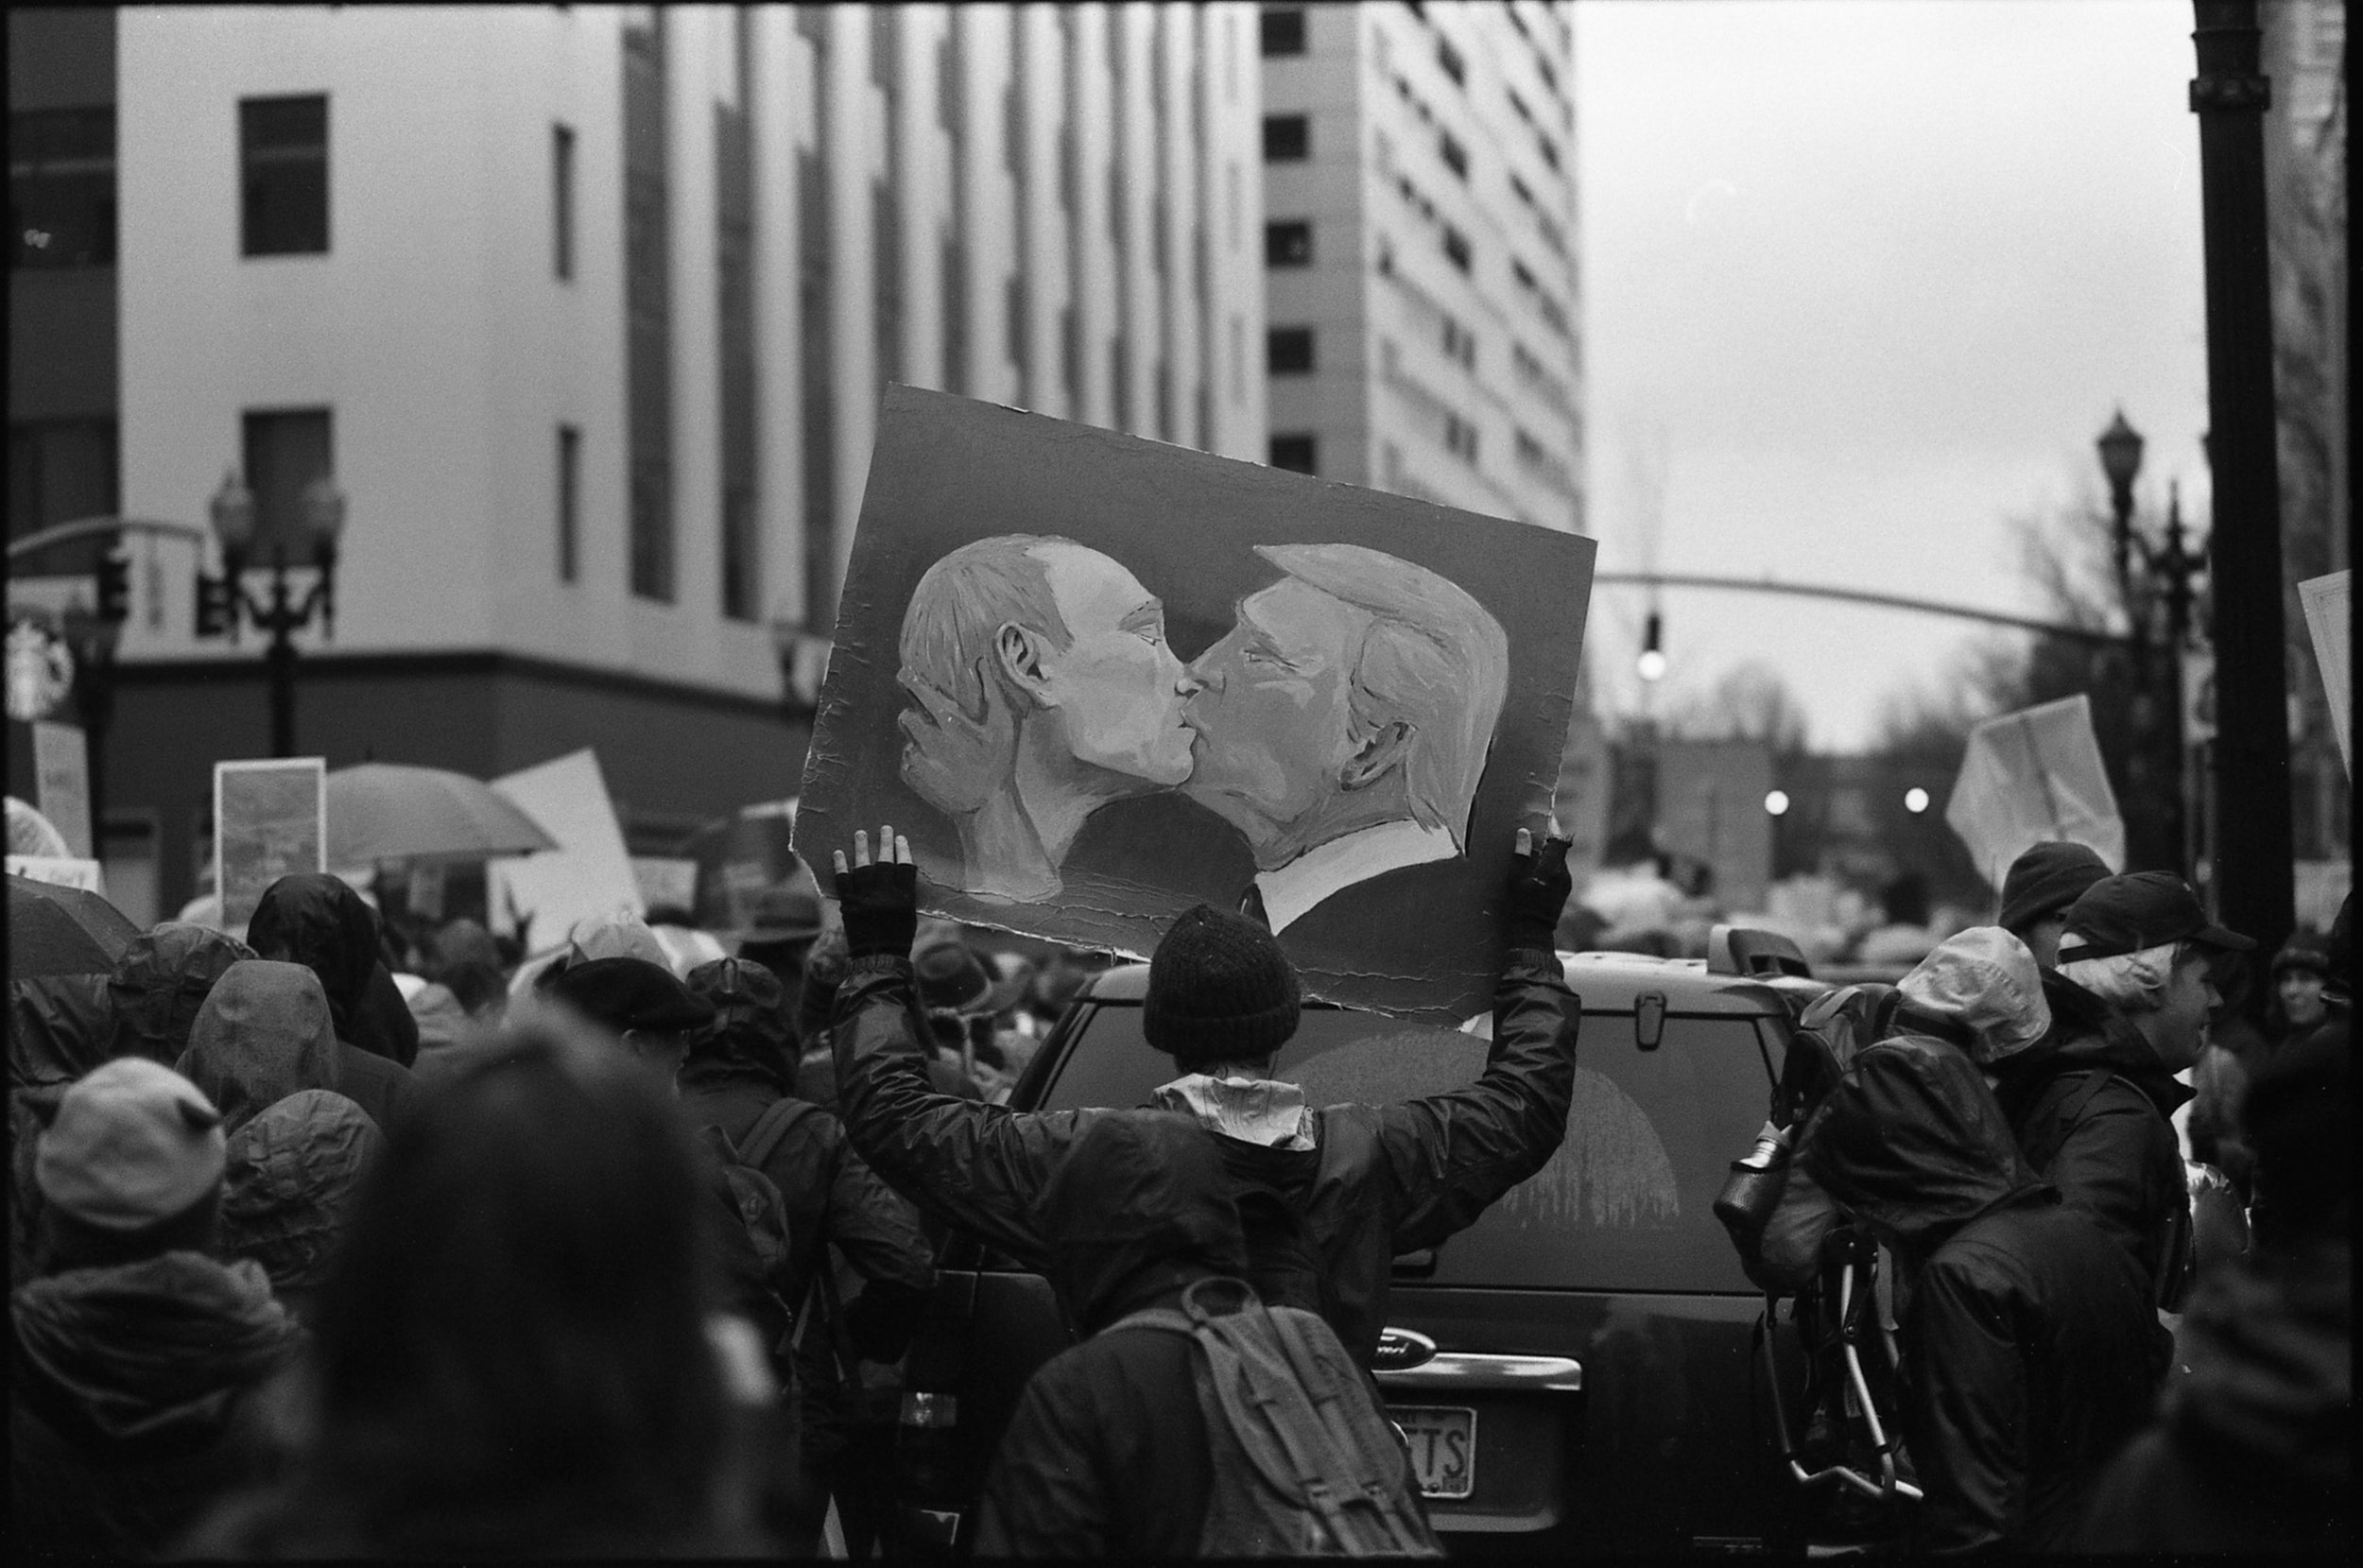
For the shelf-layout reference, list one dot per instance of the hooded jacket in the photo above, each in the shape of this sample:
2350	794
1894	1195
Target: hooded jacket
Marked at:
289	1190
159	983
265	1032
59	1027
2030	1348
1374	1182
2253	1450
315	919
1107	1454
132	1401
2093	1108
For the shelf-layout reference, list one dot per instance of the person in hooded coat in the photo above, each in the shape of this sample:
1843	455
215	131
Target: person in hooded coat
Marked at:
1108	1454
2029	1349
136	1359
293	1173
266	1031
316	920
737	1068
159	983
1329	1196
2252	1451
2093	1105
59	1027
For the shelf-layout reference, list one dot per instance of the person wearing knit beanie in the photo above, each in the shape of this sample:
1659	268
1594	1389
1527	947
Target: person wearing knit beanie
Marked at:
132	1164
1328	1196
2037	888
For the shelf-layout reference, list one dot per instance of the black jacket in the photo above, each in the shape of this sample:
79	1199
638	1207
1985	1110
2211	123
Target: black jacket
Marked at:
2253	1451
2092	1106
59	1027
317	920
1380	1180
131	1401
2030	1349
159	983
1107	1456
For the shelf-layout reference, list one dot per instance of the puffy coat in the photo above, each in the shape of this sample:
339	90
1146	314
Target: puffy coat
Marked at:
2252	1451
1378	1179
1107	1454
2030	1348
2093	1108
315	919
159	983
131	1401
289	1190
266	1031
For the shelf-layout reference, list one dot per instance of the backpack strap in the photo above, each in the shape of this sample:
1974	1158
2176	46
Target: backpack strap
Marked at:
2074	1105
765	1136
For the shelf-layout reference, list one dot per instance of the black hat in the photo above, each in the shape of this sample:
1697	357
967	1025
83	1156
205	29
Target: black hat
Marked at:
747	999
630	993
1219	989
2142	910
2045	880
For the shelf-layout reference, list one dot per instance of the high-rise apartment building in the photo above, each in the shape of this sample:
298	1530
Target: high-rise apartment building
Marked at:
1420	248
586	310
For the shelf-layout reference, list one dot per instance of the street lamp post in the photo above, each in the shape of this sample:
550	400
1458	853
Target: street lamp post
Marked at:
223	601
93	633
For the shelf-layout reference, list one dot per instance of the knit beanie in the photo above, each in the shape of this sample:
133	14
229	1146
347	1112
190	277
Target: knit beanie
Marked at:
134	1144
2045	880
1219	989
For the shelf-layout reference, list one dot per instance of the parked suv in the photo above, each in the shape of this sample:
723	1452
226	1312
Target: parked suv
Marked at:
1574	1370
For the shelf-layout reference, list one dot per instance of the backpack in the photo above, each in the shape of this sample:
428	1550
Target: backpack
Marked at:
762	1211
1830	1033
1303	1463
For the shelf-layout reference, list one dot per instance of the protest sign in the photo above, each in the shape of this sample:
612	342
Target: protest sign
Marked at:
589	873
666	881
270	819
1098	679
60	869
2034	775
2329	602
61	782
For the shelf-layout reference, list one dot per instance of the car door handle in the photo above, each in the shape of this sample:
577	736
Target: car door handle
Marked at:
1468	1372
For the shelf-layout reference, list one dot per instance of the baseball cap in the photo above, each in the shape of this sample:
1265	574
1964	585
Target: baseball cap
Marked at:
134	1144
630	993
2141	910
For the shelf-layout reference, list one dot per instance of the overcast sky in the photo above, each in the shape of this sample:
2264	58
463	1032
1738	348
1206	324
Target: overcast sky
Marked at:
1863	279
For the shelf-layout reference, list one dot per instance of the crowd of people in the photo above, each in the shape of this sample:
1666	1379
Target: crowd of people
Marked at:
340	1239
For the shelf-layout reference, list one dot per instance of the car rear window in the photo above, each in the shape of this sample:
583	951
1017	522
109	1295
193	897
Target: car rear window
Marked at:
1625	1204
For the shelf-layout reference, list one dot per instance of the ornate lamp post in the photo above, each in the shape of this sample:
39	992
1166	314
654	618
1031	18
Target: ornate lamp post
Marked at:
93	634
2121	460
223	601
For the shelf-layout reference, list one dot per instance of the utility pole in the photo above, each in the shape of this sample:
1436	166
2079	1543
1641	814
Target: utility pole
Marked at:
2253	882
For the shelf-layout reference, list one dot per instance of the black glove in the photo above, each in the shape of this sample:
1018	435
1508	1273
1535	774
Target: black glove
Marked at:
1538	886
881	907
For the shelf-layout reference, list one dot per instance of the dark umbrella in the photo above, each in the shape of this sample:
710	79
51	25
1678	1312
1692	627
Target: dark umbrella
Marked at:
55	930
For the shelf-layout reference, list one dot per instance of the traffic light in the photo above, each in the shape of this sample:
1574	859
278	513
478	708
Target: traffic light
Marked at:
1651	664
216	613
115	589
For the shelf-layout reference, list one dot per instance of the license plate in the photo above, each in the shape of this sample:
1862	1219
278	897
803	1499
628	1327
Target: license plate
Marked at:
1444	1446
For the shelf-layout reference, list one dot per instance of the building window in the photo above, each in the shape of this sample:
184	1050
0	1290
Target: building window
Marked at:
1239	359
62	187
1288	244
1289	350
1294	452
286	450
647	308
1284	29
61	471
1287	138
1016	308
1459	343
1071	359
1455	156
1457	248
1460	438
1449	57
1120	381
282	155
562	200
569	503
1550	150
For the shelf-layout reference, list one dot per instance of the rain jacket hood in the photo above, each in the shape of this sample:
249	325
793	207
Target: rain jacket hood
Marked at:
1140	1206
1912	1141
315	919
263	1033
156	1352
293	1173
59	1027
159	983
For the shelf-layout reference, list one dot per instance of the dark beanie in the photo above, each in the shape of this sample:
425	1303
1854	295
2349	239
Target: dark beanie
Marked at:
1219	989
2045	880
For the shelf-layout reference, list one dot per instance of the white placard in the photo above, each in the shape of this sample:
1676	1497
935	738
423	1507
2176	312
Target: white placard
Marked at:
2030	776
270	819
589	873
59	870
61	782
2329	603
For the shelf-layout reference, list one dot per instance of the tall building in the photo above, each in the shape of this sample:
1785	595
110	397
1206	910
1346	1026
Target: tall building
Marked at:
586	311
1420	244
